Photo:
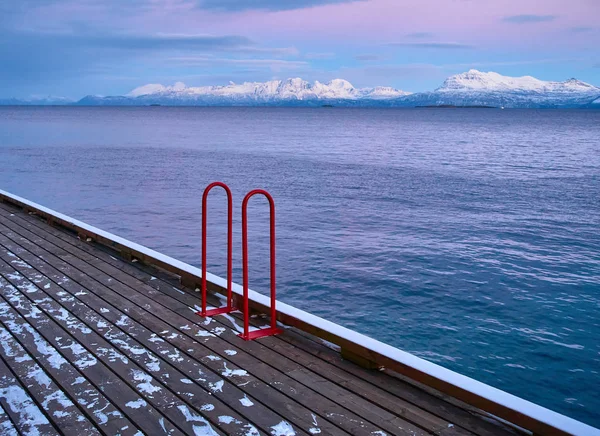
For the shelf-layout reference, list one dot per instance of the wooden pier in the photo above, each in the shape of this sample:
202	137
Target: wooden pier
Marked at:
98	341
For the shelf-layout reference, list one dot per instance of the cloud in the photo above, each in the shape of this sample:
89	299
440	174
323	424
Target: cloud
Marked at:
284	51
433	45
419	35
527	18
165	42
35	61
368	57
581	29
32	42
319	56
268	5
209	60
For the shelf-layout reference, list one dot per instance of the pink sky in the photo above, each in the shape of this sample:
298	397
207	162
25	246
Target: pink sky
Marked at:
407	44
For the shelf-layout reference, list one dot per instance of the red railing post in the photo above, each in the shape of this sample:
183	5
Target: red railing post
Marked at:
273	330
229	307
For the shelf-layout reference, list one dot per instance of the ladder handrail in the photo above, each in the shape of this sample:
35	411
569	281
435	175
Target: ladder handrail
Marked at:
273	329
229	307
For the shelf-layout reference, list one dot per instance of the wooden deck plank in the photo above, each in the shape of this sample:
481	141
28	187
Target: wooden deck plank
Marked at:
186	341
291	376
134	351
63	412
429	421
149	419
155	360
400	390
356	420
377	409
436	404
97	407
341	378
25	415
7	427
151	391
271	395
368	392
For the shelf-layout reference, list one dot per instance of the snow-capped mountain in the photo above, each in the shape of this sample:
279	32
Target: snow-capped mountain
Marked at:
476	88
474	80
472	88
37	101
274	92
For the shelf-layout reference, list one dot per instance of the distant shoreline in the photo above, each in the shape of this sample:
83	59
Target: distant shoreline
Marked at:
155	106
451	106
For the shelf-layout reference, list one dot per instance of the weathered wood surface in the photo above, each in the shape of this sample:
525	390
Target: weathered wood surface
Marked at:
92	344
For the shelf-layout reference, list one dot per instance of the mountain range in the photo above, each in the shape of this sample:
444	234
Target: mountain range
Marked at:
472	88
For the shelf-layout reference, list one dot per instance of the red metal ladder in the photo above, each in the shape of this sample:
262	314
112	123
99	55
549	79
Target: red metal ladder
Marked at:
272	330
247	334
229	307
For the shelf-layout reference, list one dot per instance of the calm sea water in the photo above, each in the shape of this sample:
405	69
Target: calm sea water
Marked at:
467	237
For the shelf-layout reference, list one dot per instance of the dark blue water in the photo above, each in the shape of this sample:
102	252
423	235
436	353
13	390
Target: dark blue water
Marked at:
467	237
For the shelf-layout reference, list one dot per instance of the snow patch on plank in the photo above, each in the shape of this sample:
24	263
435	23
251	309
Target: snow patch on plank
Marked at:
233	372
238	328
246	402
59	397
20	263
136	404
112	355
224	419
217	386
315	429
123	321
251	430
43	348
218	330
284	428
204	430
40	377
86	362
30	417
145	382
